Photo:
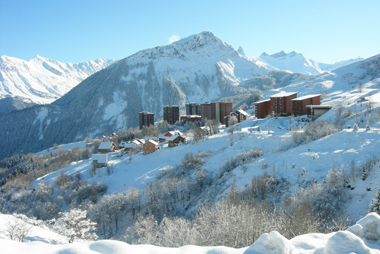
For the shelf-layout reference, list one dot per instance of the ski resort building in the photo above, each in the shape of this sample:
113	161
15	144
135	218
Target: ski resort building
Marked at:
99	160
190	118
281	103
150	146
171	114
146	119
193	109
216	110
262	108
106	147
314	111
299	104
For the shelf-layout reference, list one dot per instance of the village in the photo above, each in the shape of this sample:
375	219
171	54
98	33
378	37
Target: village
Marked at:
282	104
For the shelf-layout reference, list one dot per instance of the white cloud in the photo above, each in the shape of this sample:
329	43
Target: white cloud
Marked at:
173	38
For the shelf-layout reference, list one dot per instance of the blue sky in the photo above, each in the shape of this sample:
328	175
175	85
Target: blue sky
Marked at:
81	30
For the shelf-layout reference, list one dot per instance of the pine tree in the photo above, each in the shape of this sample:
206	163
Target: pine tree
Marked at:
374	206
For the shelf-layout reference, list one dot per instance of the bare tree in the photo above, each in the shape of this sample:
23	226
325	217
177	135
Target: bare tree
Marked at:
18	230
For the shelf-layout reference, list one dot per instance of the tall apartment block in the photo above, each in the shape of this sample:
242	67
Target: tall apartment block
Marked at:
145	119
171	114
281	103
216	110
193	109
299	104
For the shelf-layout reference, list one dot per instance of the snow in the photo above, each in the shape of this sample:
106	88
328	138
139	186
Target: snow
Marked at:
42	240
42	80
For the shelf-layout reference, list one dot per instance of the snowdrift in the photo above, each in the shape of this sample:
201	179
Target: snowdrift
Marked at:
363	237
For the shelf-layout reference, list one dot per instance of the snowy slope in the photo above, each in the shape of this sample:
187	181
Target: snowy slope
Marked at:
316	158
200	68
363	237
298	63
41	80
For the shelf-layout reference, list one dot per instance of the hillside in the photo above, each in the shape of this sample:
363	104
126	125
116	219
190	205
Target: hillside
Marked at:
199	68
280	174
41	80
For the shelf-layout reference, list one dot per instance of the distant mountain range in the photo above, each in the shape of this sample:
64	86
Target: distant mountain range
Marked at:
42	80
298	63
199	68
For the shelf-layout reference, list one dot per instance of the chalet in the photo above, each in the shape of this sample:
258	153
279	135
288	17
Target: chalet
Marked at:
299	104
241	115
99	160
127	146
106	147
150	146
262	108
281	103
175	140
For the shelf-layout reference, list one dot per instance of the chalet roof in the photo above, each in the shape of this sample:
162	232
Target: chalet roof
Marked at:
101	158
106	145
152	141
129	145
283	94
242	112
306	97
176	136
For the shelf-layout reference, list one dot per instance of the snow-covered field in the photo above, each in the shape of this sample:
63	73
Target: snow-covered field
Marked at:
364	237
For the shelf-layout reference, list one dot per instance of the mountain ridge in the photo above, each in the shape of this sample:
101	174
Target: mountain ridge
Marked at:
42	80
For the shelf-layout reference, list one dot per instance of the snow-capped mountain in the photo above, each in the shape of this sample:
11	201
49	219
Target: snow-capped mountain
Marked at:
199	68
298	63
41	80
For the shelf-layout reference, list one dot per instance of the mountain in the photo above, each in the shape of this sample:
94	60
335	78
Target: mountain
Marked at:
199	68
298	63
41	80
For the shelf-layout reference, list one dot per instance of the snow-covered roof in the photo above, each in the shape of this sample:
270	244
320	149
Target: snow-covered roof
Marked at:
101	158
129	145
175	136
282	94
242	112
152	141
105	145
191	116
306	97
319	106
267	100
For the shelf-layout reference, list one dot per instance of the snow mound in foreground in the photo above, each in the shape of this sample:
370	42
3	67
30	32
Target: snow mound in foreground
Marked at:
364	237
272	243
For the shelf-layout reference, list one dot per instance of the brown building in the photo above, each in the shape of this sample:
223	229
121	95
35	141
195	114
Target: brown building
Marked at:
175	140
281	103
171	114
206	111
193	109
150	146
190	118
241	115
262	108
222	109
299	104
106	147
145	119
216	110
